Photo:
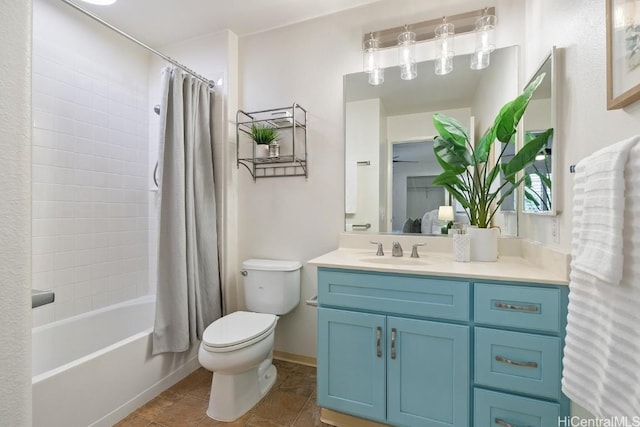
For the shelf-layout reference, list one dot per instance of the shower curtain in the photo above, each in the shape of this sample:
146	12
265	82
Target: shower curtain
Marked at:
188	292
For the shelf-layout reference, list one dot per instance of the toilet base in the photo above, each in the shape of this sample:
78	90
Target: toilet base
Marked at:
232	395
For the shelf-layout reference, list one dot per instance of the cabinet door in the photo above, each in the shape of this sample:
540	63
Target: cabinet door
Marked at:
351	363
428	373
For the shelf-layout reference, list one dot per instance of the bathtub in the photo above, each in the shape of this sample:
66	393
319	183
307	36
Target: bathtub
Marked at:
95	368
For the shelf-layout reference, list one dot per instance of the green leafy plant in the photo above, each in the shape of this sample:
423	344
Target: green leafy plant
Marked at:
468	174
538	195
263	134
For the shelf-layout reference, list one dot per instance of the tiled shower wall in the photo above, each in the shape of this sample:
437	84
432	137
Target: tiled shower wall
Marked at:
90	182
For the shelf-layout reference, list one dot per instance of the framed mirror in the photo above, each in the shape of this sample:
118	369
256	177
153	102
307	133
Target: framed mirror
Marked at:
389	140
538	190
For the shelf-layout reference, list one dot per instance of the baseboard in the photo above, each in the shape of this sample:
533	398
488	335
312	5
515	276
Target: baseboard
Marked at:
339	419
295	358
173	378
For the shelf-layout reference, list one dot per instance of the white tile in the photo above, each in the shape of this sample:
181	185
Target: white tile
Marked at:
42	245
43	102
65	261
42	263
83	97
44	138
83	178
41	210
42	315
100	225
82	274
83	304
83	161
83	194
43	227
63	91
115	181
82	241
64	125
83	145
43	280
63	310
100	194
84	130
64	176
65	109
116	166
63	193
62	277
65	142
83	225
43	120
100	179
64	293
64	243
101	240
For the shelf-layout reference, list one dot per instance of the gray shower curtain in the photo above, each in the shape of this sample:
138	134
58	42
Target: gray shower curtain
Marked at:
188	292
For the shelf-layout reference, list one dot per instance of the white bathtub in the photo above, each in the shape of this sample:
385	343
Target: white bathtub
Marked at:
95	368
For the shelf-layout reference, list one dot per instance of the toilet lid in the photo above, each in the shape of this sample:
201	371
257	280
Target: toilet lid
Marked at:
237	328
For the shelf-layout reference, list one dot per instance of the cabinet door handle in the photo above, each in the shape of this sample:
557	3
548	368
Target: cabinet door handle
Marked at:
378	339
503	423
393	343
516	363
532	308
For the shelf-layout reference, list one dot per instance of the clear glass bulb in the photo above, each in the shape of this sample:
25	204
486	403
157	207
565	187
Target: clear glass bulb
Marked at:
444	48
370	56
407	55
480	60
376	77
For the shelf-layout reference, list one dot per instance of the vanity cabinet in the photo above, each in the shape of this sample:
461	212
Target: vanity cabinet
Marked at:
405	363
410	350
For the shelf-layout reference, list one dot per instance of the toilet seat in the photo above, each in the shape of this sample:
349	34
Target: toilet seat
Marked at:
237	330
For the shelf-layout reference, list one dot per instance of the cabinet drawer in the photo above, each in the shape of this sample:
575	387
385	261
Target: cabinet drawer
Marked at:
523	307
515	361
407	295
494	409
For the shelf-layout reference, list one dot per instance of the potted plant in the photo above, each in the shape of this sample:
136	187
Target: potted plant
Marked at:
470	177
266	136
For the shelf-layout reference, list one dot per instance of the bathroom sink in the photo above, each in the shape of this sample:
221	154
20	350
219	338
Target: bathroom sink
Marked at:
396	260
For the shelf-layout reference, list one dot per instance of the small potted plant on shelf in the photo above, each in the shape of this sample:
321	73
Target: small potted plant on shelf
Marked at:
266	136
472	178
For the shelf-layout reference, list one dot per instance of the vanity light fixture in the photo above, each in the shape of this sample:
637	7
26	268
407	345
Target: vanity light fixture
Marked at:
407	54
485	41
100	2
371	60
444	47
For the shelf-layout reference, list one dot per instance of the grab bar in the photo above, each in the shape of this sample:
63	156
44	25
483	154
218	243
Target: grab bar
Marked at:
39	298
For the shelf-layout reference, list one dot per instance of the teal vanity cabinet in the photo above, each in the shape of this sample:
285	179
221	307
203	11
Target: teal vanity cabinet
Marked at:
394	348
412	350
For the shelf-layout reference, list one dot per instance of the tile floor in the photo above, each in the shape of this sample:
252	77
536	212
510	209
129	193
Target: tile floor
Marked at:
290	403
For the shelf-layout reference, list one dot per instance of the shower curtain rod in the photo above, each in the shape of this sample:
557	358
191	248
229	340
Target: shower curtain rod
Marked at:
96	18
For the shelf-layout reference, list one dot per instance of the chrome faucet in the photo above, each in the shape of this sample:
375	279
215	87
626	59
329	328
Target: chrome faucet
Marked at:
380	251
397	249
414	251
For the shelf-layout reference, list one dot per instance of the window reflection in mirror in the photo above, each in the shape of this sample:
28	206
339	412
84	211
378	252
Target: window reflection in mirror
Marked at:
383	124
538	186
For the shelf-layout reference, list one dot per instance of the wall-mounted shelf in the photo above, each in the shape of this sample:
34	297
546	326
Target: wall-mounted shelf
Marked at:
291	123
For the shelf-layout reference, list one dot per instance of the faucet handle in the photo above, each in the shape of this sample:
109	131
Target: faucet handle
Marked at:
380	251
414	251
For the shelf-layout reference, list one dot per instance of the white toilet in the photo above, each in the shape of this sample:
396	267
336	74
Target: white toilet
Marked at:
238	347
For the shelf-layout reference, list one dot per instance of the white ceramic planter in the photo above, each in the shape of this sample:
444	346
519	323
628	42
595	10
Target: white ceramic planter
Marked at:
484	243
262	151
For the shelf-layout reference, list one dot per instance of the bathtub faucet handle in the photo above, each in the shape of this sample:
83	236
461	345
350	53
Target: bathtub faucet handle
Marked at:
244	272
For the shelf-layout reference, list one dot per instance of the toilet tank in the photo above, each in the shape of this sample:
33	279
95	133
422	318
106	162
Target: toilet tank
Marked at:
271	286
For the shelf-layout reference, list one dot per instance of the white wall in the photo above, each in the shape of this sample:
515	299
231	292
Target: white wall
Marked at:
290	218
90	163
584	124
15	215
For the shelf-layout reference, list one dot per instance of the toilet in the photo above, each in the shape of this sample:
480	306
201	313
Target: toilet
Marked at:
238	347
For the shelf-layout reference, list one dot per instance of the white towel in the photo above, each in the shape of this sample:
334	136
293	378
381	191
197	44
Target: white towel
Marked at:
351	187
601	179
602	348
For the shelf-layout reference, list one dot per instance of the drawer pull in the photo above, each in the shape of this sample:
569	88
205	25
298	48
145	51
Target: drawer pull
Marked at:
378	338
393	343
503	423
516	363
532	308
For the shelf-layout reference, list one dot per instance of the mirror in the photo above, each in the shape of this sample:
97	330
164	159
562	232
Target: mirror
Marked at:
538	195
389	140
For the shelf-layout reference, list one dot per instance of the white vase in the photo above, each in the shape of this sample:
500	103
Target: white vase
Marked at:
484	243
262	151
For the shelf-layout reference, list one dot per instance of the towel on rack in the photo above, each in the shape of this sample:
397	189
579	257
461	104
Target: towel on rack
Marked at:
601	364
600	191
351	187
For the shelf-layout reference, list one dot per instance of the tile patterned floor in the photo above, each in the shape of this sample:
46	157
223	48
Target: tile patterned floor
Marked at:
290	403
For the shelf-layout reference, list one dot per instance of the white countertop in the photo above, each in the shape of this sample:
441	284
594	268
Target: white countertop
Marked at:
508	268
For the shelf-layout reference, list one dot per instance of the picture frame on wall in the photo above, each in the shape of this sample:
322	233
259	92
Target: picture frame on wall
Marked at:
623	52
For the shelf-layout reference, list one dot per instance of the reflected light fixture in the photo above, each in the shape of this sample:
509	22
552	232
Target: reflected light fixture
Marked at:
371	60
444	47
485	41
407	54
